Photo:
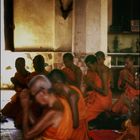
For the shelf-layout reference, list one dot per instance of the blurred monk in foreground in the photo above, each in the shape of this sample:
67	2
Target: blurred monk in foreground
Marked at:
56	120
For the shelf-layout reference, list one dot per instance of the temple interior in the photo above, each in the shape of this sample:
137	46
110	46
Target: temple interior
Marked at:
79	28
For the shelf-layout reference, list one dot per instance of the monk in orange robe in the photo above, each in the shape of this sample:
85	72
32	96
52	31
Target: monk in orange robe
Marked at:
76	101
39	66
132	125
129	82
20	80
100	96
72	72
81	131
56	122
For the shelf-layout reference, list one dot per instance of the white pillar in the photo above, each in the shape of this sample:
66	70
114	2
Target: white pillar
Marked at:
96	25
104	25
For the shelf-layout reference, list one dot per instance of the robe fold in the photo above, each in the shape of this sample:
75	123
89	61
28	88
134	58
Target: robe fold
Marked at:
97	103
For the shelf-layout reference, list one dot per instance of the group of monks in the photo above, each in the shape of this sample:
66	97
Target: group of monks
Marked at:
52	106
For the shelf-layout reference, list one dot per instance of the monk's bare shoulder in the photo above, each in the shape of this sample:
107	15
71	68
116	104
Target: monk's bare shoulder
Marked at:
105	69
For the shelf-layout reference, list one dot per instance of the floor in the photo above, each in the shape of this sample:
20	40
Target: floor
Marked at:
7	129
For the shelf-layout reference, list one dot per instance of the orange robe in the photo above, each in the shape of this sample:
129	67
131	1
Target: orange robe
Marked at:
35	73
23	80
130	92
80	133
97	103
70	74
64	131
35	108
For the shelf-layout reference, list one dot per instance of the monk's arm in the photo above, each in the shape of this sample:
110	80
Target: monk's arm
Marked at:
74	107
92	85
105	83
104	90
125	79
32	118
111	79
41	125
25	103
79	77
25	120
132	84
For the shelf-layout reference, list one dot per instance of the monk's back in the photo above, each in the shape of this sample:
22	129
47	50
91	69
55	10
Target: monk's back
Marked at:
65	128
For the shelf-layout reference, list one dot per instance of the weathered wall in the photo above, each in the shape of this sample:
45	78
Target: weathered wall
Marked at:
39	24
80	26
34	24
63	30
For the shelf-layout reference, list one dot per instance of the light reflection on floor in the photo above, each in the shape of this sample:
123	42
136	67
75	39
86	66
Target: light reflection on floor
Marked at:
7	129
5	97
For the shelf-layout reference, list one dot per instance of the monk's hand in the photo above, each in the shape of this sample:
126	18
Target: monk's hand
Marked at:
24	98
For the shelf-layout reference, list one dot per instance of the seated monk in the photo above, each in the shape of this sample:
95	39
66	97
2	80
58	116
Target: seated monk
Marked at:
20	80
39	66
76	102
56	120
132	124
100	97
73	72
129	83
100	56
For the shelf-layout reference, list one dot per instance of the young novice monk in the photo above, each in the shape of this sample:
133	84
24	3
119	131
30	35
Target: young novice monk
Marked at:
129	82
56	121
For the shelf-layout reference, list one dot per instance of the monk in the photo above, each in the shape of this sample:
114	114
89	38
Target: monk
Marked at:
129	83
73	72
56	121
39	66
132	128
76	102
102	68
20	80
100	96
